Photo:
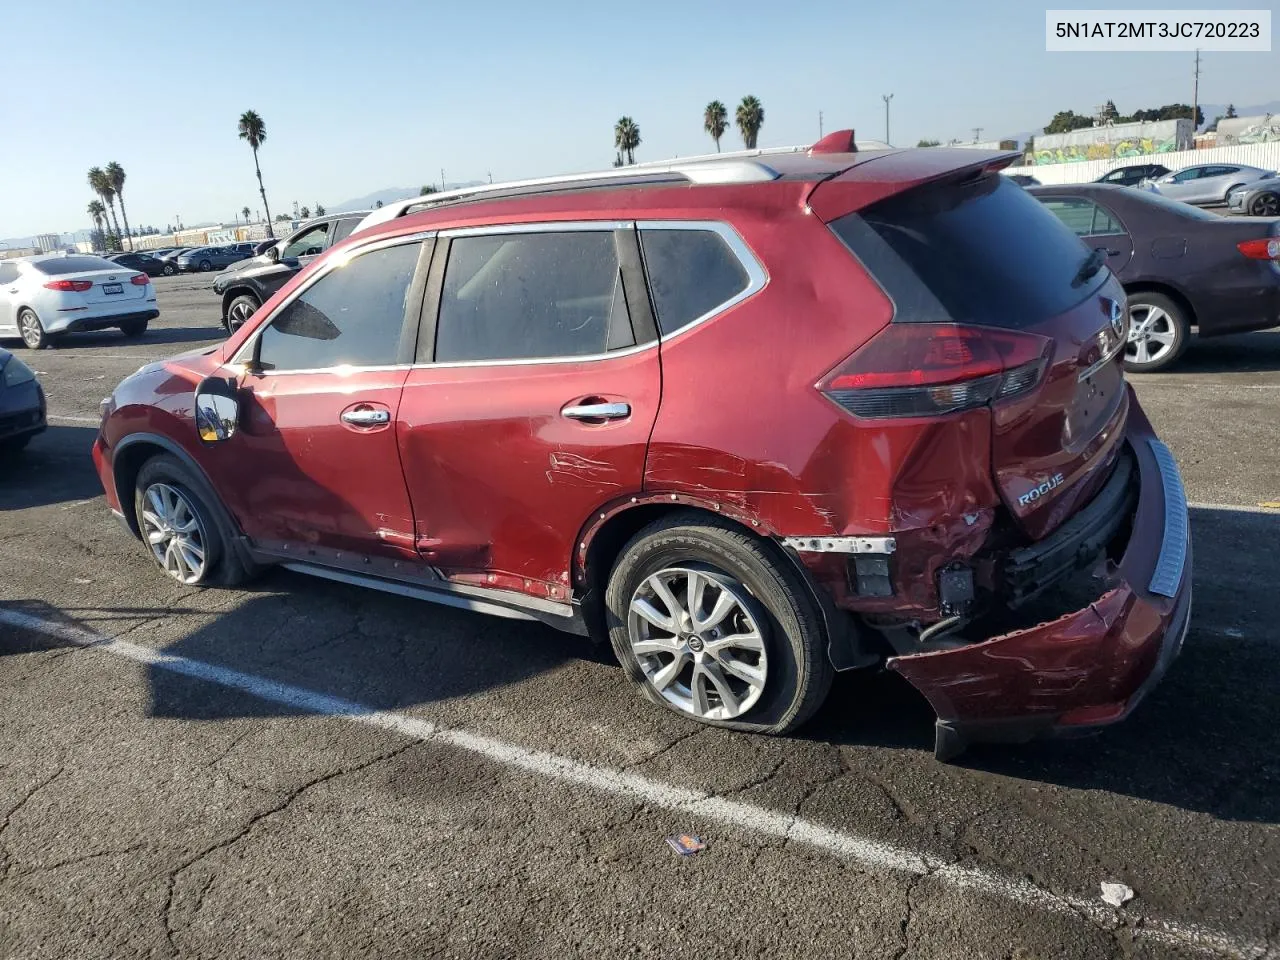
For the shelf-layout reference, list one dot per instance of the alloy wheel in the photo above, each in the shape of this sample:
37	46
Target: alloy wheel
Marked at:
1266	205
240	312
29	328
698	637
1151	334
173	530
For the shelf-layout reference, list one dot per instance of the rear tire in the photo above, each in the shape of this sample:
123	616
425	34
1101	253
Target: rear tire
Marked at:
167	479
205	266
769	610
1159	331
32	330
133	328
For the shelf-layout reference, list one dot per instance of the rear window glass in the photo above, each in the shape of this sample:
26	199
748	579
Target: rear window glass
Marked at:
985	252
1176	207
52	268
691	273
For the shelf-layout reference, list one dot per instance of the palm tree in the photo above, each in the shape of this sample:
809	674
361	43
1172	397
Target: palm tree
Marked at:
715	120
750	118
115	173
101	185
254	129
245	211
98	212
626	137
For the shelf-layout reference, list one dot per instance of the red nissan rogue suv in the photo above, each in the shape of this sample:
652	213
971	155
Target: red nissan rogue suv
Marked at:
755	419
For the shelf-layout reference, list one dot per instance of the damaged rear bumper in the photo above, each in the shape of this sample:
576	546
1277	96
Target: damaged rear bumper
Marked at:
1090	667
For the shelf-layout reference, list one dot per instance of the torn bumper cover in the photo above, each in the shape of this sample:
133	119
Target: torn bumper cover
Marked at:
1090	667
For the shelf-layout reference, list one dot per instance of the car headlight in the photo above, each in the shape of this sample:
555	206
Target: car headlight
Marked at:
16	372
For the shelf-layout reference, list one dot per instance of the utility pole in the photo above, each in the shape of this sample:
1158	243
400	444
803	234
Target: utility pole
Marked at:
977	134
1195	95
819	124
886	97
442	178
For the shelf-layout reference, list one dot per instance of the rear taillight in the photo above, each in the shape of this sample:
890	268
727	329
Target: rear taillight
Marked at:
139	280
927	369
1260	249
76	286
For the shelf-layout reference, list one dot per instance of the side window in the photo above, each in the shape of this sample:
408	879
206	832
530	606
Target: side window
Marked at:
526	296
1115	176
8	272
308	244
353	315
1190	173
1075	213
691	273
342	229
1104	224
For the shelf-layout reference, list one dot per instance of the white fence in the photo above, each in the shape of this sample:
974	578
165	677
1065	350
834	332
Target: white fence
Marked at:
1265	155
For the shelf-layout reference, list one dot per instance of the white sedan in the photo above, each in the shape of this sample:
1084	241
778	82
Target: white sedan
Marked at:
43	297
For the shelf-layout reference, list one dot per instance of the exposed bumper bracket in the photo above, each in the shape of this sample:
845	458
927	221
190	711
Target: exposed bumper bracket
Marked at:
883	545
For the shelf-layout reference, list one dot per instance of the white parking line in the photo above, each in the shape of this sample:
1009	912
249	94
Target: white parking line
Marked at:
58	416
1235	508
867	853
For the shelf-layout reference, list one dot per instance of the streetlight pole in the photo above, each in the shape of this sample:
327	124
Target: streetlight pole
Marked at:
886	97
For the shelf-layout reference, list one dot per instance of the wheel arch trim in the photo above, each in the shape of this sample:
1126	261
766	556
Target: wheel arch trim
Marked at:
168	445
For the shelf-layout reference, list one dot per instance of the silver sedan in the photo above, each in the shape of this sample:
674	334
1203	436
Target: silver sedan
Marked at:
1207	183
43	297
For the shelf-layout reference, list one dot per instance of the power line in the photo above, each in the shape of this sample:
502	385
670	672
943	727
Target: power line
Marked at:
977	134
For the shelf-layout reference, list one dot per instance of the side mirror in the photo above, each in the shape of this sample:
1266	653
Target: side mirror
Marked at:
217	409
272	254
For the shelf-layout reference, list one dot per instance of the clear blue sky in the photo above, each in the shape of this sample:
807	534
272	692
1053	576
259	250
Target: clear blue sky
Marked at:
361	96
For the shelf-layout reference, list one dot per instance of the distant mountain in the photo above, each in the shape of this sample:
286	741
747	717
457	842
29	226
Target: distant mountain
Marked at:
391	193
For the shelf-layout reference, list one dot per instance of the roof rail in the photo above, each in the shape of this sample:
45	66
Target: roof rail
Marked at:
740	166
725	168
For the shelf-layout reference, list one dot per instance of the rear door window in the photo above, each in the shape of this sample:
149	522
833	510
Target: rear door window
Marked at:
1104	224
692	273
530	296
353	315
985	252
1075	213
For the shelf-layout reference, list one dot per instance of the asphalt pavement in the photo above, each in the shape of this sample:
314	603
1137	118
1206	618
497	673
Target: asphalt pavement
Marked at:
304	769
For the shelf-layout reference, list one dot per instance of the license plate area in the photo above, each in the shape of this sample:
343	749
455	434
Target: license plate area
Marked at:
113	288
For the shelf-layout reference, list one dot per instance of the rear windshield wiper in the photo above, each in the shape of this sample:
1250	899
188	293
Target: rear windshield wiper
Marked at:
1092	264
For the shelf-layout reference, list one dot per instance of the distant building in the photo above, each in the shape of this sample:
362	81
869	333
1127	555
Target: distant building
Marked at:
48	242
991	145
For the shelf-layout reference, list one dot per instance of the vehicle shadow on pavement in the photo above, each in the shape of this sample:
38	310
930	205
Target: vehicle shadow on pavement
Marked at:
1206	739
1235	353
156	335
54	468
381	651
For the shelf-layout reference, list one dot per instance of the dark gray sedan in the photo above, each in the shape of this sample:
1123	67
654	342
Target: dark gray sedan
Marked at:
1262	199
1181	266
22	406
205	259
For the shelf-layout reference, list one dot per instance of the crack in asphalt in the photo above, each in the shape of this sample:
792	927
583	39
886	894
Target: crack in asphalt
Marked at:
285	802
26	798
70	861
664	750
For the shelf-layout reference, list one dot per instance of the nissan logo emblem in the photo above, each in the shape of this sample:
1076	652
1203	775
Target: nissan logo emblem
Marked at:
1117	317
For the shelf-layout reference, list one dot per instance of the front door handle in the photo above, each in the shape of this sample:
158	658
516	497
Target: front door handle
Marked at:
597	411
366	417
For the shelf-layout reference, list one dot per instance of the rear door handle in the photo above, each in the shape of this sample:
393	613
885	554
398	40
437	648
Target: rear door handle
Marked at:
366	417
597	411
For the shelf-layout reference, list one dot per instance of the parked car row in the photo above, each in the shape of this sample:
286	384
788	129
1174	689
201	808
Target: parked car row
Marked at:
1239	187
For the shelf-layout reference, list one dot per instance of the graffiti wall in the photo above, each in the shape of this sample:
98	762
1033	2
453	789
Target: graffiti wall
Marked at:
1265	129
1117	142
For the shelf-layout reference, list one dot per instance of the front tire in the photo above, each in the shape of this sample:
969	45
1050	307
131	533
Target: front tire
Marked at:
32	330
1159	331
185	529
240	310
1265	205
133	328
169	270
715	625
